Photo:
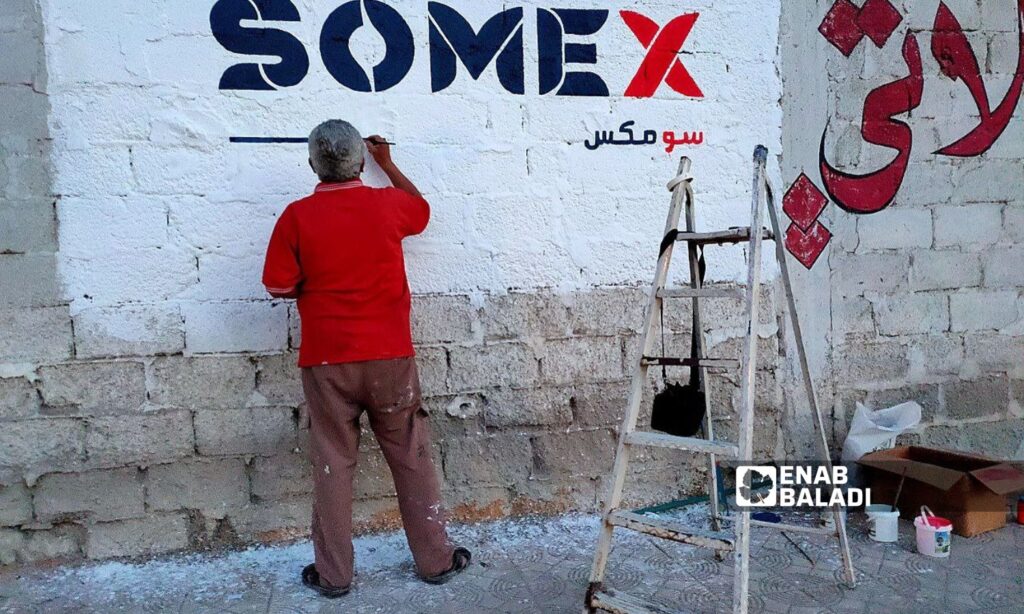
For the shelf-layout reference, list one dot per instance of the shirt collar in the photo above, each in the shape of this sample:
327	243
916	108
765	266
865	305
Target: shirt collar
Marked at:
334	187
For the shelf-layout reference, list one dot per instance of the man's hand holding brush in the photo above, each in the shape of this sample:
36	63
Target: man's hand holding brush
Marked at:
380	149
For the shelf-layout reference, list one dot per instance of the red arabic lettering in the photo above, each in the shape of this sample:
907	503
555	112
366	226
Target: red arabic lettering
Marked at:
875	191
958	61
673	141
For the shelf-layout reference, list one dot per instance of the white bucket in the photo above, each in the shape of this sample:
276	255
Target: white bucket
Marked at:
934	534
885	523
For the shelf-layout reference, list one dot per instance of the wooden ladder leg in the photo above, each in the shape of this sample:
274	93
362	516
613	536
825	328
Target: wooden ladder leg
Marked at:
698	332
639	380
819	423
746	419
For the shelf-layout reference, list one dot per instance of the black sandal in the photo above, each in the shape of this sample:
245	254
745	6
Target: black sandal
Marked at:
460	561
311	578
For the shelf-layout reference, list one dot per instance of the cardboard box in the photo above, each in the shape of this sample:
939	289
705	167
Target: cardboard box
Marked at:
969	490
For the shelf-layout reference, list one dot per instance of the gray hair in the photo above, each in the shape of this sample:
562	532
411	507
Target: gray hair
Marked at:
336	151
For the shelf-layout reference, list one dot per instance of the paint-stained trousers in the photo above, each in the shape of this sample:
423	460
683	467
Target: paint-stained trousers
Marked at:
389	391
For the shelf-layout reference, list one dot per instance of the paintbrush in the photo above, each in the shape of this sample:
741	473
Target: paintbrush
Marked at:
797	546
899	489
380	142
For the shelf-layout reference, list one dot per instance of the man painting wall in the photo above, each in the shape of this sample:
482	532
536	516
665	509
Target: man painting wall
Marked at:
339	252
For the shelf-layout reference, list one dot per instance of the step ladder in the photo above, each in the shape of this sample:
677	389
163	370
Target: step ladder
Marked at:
736	540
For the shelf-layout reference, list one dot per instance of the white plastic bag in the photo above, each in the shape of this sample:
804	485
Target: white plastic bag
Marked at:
873	430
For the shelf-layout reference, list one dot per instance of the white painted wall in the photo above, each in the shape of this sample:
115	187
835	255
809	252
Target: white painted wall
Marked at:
158	209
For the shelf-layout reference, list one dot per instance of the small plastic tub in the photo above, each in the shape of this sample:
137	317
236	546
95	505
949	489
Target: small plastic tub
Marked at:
885	523
934	534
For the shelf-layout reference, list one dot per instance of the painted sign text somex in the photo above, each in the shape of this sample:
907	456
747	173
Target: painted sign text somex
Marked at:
564	68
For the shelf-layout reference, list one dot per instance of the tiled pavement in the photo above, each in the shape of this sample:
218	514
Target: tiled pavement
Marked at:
542	566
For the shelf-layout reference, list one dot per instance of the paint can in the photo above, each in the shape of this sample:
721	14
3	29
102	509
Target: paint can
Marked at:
1020	510
885	523
934	534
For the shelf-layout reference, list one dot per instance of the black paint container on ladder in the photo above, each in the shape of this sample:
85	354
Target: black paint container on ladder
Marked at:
679	410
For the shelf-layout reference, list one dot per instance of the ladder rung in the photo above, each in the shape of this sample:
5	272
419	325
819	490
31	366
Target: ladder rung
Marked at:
709	363
620	603
794	528
715	540
702	293
733	235
687	444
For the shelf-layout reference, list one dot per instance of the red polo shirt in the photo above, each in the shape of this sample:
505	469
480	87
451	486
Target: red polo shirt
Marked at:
339	251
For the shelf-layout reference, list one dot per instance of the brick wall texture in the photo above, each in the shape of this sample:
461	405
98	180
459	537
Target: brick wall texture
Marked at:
134	427
142	454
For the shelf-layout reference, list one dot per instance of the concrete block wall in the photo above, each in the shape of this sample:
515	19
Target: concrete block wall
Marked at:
148	397
926	297
149	454
135	428
33	313
35	323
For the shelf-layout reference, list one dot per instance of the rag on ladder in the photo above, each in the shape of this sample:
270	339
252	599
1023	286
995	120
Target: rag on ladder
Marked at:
600	597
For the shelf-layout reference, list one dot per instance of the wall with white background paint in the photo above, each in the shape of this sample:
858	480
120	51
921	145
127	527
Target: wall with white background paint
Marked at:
159	213
150	366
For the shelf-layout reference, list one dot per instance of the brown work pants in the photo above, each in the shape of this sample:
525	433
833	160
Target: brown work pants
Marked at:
389	391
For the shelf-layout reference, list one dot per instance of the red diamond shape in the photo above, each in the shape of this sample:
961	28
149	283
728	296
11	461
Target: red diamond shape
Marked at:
807	247
879	19
840	27
804	202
